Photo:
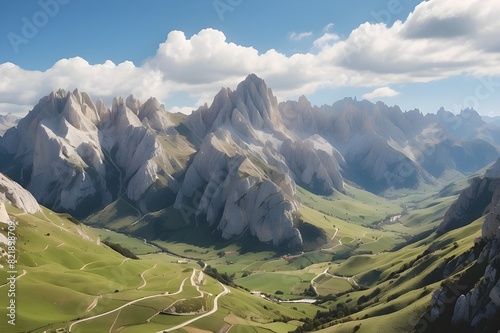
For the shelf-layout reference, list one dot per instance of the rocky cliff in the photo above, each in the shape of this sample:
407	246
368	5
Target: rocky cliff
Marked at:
248	163
75	155
475	306
13	194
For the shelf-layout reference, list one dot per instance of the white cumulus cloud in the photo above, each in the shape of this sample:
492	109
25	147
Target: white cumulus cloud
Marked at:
325	40
439	39
297	36
328	27
380	92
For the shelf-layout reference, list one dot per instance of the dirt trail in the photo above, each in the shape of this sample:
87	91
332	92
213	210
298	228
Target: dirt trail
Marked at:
181	289
143	279
216	307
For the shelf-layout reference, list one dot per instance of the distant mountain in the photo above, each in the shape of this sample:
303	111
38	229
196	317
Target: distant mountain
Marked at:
233	165
7	121
384	147
495	120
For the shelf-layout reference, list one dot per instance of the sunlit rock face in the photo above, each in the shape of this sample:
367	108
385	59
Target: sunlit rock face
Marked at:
13	194
75	155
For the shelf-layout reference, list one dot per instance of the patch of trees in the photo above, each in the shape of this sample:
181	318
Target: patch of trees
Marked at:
122	250
221	277
245	274
323	318
310	292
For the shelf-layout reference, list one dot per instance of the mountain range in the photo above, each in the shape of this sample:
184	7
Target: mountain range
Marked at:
236	164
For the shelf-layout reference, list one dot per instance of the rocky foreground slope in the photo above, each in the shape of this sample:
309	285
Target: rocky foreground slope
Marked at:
472	303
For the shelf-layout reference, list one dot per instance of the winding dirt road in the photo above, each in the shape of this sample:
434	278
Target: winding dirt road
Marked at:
181	288
350	280
143	279
216	307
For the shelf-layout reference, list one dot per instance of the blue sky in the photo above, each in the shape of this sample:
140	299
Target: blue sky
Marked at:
322	49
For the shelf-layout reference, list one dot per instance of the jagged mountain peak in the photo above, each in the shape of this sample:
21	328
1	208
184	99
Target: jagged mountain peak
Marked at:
252	106
154	114
472	117
256	101
124	115
304	103
133	150
133	104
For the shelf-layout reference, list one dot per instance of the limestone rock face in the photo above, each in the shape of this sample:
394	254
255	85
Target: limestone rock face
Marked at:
238	172
491	225
300	117
236	195
4	216
314	163
461	313
12	193
256	161
77	156
237	162
481	196
482	302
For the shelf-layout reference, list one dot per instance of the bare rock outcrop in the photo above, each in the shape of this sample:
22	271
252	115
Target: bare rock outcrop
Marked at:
12	193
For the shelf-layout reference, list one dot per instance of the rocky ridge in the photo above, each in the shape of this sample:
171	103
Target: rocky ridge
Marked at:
478	307
384	147
76	156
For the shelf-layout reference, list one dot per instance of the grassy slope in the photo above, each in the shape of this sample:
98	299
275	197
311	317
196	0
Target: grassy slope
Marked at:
405	295
68	269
